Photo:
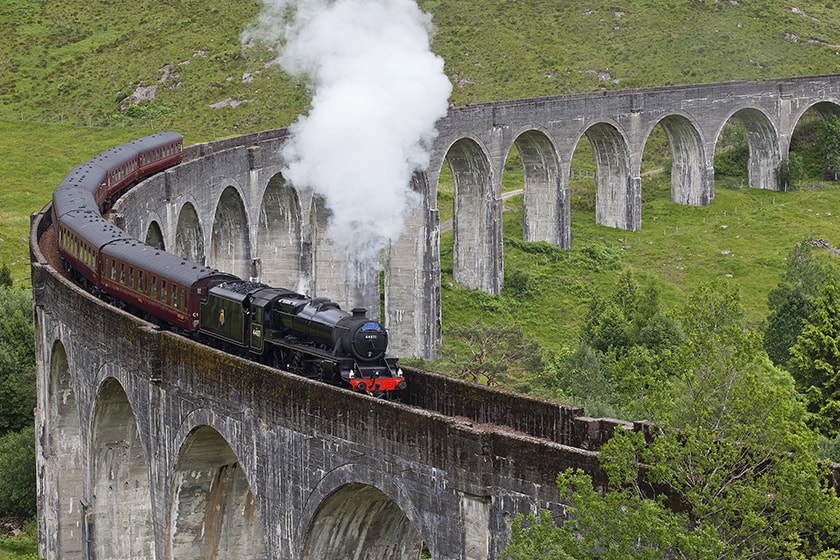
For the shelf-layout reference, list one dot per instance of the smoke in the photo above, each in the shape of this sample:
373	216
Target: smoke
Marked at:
377	92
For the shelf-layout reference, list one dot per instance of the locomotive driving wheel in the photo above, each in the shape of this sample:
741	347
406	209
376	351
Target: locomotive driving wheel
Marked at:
280	358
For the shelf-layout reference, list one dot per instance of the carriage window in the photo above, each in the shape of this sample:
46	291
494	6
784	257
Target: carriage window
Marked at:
183	298
175	296
140	285
163	291
154	287
122	273
113	269
131	276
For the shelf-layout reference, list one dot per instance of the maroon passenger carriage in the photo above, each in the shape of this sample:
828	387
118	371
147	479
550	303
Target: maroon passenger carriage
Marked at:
315	339
110	262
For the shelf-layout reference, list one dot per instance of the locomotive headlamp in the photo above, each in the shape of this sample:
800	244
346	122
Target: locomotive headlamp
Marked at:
361	387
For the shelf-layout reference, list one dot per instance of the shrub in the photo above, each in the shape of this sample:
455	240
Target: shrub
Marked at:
17	474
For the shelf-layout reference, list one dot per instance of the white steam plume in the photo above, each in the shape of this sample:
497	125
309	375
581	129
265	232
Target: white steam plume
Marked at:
377	92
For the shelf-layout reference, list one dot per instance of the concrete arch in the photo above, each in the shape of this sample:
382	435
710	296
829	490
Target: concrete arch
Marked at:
476	224
230	248
825	109
546	213
213	511
63	451
616	192
360	521
154	236
121	514
280	247
692	179
764	146
189	239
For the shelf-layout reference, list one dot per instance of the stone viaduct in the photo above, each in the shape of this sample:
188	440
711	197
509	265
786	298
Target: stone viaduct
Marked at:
229	204
151	446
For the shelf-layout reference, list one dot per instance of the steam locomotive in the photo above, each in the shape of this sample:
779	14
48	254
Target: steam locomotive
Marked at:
312	337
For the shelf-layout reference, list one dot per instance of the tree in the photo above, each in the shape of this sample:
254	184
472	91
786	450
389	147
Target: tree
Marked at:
630	316
729	468
583	376
488	353
828	136
624	327
17	473
791	302
5	276
17	360
815	361
790	172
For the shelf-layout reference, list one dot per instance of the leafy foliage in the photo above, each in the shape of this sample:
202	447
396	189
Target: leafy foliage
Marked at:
815	361
490	353
17	399
790	172
732	162
829	142
17	360
735	477
5	276
622	334
23	546
791	302
17	473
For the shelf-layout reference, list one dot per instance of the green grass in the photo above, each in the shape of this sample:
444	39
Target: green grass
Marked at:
80	60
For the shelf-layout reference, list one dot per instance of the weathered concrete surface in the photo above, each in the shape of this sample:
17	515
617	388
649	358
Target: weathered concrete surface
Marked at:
229	205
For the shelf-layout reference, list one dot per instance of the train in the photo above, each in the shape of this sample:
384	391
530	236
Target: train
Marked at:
307	336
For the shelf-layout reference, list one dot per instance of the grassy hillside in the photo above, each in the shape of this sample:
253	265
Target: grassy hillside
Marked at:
79	76
80	61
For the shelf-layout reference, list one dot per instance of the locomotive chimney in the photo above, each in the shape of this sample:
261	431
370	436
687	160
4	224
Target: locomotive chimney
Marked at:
359	312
